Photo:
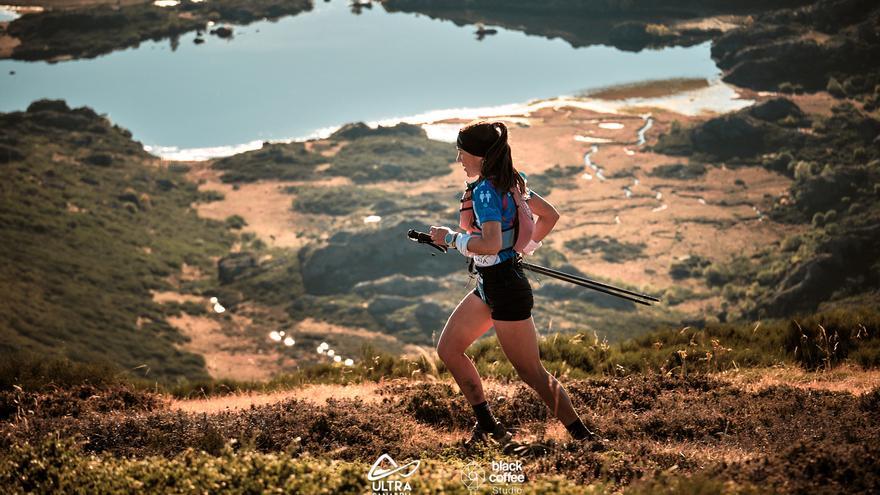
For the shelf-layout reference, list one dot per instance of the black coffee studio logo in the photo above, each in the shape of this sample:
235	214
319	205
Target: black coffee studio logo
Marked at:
505	477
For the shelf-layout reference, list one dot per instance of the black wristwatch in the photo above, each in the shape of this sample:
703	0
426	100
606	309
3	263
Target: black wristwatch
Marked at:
451	242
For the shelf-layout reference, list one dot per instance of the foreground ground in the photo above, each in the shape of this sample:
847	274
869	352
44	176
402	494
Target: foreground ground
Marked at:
759	430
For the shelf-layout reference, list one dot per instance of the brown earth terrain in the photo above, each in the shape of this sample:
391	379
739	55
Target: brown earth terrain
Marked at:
752	438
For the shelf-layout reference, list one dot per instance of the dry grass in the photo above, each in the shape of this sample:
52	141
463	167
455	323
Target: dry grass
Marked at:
844	378
316	394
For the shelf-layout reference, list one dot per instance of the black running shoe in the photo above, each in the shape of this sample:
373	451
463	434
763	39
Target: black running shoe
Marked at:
597	442
499	435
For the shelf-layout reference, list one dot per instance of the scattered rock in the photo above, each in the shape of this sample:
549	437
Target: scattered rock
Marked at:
222	32
234	266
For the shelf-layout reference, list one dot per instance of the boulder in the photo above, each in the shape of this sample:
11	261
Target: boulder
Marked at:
46	105
776	109
361	256
234	266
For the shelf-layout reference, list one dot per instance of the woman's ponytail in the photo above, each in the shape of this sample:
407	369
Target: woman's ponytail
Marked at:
498	162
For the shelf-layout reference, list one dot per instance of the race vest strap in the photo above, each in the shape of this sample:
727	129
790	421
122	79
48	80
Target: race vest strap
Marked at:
516	236
508	238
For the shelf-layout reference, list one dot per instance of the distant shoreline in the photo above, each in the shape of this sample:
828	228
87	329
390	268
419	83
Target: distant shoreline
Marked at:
684	96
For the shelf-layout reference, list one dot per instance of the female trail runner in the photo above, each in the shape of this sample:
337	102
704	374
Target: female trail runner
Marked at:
503	296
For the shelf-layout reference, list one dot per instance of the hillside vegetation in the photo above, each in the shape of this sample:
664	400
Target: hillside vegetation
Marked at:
836	170
89	230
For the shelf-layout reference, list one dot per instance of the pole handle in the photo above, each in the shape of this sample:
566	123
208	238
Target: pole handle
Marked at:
424	238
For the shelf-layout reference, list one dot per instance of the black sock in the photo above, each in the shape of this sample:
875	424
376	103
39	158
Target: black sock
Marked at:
484	416
579	430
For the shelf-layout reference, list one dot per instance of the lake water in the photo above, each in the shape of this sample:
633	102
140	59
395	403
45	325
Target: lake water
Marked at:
317	70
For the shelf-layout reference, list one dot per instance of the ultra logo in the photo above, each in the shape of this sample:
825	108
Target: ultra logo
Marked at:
379	472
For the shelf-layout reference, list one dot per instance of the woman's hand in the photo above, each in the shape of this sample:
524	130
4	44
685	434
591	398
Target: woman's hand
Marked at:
438	234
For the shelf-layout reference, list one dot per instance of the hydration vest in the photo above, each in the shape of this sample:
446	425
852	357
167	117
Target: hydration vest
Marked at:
517	236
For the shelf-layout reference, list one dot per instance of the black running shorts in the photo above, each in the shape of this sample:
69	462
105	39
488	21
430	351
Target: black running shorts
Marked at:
505	288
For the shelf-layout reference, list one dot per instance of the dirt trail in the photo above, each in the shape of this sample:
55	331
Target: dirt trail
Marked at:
843	379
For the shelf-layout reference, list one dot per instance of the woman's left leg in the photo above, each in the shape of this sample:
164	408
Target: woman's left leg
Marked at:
519	341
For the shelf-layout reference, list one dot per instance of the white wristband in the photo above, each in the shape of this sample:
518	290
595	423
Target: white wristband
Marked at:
461	243
531	247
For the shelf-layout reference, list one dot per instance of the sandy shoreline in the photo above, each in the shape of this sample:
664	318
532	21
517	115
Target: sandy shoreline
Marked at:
715	98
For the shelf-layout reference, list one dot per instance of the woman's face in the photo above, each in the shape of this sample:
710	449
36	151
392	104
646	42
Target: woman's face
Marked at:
470	163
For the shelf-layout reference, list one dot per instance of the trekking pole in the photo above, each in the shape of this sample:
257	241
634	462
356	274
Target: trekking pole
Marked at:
607	289
424	238
577	279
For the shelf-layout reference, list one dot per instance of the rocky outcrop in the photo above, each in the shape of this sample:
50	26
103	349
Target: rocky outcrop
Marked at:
742	135
336	267
847	264
87	32
360	130
806	48
627	25
235	266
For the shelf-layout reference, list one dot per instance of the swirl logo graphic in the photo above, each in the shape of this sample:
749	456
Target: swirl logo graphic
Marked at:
377	472
472	476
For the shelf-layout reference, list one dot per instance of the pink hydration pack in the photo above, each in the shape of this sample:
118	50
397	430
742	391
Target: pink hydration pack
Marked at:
523	223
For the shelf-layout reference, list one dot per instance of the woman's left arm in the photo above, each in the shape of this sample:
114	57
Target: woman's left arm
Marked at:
547	216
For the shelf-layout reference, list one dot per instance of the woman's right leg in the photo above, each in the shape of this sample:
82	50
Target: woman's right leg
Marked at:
471	319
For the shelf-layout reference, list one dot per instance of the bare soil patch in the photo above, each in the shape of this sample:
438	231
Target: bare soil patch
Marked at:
226	356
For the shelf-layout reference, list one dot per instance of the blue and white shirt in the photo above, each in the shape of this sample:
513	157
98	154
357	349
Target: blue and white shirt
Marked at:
488	207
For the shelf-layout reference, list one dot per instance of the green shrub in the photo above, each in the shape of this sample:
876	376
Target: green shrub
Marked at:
210	196
691	266
338	200
613	251
235	222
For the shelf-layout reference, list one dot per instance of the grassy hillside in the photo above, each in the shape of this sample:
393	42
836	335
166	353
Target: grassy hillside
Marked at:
90	226
835	163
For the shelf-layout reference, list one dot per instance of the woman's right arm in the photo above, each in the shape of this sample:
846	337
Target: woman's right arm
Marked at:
547	216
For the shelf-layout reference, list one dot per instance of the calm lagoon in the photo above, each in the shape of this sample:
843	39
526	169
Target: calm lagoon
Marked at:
320	69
